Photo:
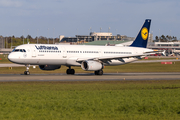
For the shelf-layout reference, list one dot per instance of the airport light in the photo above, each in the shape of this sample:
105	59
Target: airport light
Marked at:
11	42
37	36
6	42
23	36
170	35
116	34
77	35
90	32
28	37
90	29
48	35
53	34
159	35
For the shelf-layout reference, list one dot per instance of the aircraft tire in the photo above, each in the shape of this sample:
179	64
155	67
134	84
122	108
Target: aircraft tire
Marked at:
70	71
26	73
96	72
99	72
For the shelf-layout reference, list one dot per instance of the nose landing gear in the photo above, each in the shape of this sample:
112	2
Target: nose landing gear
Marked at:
27	70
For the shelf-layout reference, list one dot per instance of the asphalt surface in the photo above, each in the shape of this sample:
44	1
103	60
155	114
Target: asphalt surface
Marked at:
89	77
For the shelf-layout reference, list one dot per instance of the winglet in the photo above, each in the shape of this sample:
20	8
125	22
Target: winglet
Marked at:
142	37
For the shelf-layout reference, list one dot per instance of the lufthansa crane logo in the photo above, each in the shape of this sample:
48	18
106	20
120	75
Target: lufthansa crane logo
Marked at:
144	33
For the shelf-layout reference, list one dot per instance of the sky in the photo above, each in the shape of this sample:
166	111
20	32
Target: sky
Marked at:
51	18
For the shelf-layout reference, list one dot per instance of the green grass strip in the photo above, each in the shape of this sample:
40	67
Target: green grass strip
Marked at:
105	100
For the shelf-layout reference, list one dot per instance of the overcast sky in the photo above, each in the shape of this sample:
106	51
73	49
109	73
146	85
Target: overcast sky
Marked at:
51	18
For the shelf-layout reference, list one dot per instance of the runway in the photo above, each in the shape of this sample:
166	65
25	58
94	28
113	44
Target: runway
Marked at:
89	77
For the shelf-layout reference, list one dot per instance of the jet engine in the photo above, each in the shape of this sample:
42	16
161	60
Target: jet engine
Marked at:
49	67
91	65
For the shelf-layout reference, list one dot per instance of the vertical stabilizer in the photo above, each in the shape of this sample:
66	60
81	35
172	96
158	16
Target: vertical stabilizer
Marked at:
142	37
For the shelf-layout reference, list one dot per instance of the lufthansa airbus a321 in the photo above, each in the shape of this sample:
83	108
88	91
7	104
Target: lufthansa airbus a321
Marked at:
90	58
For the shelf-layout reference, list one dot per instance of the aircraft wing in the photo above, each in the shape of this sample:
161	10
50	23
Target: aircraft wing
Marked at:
120	57
107	58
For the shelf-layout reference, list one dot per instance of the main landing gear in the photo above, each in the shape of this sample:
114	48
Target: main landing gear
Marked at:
27	70
70	71
99	72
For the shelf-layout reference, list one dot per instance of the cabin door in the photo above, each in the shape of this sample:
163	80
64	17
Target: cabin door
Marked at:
64	52
100	52
33	50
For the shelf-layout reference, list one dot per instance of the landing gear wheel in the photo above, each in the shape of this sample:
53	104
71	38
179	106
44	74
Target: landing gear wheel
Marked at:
27	70
67	71
96	72
99	72
26	73
70	71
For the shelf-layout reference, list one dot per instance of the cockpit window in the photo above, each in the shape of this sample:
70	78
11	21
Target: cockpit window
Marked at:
19	50
13	49
16	50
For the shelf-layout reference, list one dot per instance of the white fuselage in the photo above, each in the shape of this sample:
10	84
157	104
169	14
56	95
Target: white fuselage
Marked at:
50	54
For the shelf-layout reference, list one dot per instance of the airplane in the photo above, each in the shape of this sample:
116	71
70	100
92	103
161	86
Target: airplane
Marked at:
89	57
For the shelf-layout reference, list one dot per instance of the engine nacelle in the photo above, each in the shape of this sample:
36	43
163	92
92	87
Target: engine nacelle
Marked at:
91	65
49	67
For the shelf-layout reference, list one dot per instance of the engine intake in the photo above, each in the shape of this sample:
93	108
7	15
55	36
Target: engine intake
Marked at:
91	65
49	67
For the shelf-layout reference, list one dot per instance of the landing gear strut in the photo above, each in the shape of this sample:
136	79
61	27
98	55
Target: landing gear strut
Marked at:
99	72
27	70
70	71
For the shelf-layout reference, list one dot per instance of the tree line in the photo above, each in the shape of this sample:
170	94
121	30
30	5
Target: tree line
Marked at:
15	41
166	38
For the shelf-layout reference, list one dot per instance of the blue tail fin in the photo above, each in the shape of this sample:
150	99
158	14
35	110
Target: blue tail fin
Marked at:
142	37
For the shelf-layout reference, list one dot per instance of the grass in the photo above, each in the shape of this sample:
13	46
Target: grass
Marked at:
4	59
105	100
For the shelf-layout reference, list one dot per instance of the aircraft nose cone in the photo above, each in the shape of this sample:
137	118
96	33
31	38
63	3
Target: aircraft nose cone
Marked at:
10	57
15	58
